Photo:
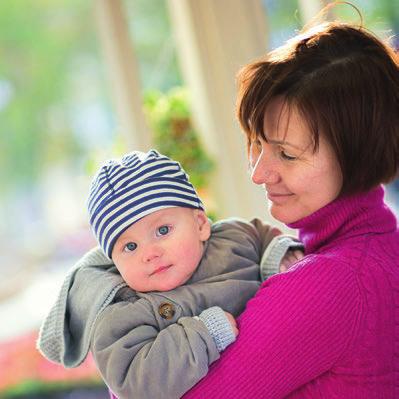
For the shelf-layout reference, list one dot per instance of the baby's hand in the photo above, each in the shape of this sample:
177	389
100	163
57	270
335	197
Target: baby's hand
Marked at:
290	258
232	322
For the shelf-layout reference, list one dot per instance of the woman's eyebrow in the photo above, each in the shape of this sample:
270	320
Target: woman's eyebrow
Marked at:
282	142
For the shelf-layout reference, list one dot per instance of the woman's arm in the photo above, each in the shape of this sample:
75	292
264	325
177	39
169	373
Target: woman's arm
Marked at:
297	326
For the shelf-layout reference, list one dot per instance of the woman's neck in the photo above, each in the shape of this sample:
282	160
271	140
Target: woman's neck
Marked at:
345	217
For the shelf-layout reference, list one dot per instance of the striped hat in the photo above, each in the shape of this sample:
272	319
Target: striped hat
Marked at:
127	189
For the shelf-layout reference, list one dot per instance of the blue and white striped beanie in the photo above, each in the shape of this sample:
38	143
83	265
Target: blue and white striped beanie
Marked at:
127	189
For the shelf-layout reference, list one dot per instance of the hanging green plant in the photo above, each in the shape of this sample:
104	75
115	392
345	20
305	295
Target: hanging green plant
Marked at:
169	116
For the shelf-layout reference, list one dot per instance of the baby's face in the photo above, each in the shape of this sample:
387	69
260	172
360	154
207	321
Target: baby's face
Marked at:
162	250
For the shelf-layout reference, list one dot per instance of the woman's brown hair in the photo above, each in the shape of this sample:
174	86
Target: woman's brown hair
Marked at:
345	83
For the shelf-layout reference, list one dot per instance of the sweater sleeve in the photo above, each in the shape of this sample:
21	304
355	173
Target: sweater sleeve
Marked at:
297	327
139	359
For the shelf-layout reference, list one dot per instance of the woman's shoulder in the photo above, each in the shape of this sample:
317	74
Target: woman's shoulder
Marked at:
315	288
315	274
373	256
322	264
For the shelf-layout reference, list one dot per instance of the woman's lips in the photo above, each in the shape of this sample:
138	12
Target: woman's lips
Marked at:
278	197
160	269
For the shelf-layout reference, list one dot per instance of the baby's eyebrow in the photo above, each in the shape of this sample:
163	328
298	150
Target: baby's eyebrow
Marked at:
161	221
126	241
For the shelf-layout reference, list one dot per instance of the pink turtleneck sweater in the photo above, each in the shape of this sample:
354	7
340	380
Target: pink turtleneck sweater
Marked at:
329	327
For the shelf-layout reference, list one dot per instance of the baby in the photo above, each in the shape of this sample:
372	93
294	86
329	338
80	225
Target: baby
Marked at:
153	302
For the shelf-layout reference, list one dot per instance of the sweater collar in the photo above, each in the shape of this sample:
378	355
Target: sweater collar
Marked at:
345	217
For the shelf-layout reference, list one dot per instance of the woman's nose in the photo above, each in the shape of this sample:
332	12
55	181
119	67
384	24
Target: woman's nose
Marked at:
265	171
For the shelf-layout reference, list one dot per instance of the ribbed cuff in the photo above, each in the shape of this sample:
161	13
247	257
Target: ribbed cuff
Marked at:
218	326
274	254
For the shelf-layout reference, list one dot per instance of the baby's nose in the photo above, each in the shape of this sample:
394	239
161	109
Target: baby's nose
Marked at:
151	253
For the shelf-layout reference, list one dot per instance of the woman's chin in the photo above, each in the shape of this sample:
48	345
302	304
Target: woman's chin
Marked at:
283	215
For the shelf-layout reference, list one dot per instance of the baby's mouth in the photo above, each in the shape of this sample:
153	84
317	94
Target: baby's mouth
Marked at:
160	269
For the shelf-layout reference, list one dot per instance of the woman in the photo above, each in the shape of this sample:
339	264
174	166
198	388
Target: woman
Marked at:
321	115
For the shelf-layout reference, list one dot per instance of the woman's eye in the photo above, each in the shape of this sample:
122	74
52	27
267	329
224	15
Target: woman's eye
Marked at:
286	156
163	230
130	247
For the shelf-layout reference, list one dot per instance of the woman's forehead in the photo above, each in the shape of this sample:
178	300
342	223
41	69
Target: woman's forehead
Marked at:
284	124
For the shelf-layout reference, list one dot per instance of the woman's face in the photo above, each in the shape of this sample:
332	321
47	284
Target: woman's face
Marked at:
297	180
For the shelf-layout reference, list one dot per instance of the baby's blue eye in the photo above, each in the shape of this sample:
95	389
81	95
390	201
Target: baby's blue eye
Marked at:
130	247
163	230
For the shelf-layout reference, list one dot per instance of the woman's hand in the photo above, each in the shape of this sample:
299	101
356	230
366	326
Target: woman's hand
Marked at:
290	258
232	322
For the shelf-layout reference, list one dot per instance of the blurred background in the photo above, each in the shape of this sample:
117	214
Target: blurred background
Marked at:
82	81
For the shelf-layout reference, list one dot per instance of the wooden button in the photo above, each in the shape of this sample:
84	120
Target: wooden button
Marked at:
166	310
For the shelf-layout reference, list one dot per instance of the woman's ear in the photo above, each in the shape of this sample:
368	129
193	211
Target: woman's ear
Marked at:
204	225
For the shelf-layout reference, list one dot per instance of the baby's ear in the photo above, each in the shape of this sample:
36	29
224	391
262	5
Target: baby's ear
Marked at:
204	225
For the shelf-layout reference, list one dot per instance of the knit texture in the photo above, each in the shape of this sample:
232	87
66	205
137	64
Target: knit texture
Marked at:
274	254
328	327
127	189
218	326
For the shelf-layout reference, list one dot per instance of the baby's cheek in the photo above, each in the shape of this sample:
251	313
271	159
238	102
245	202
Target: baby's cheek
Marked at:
191	254
134	281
